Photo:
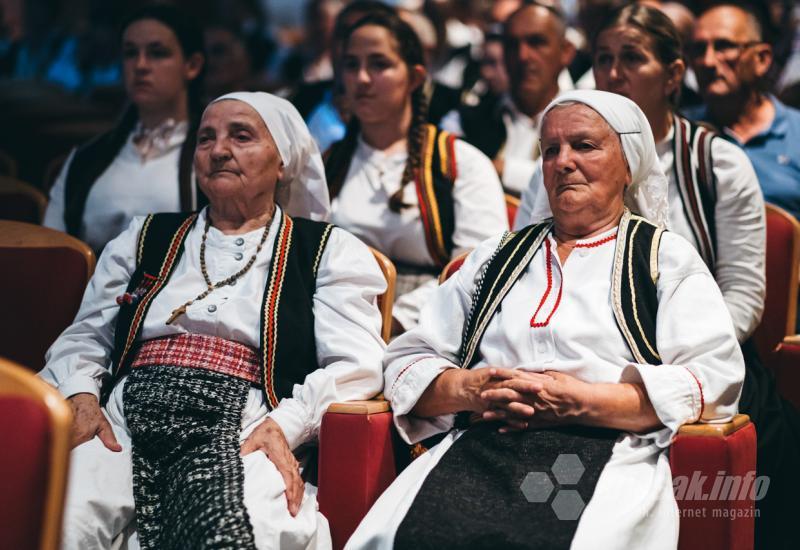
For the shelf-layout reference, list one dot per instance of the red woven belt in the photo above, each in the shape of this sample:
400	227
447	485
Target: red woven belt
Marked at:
200	351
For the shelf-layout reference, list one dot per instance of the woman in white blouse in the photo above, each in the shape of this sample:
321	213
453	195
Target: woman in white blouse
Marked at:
404	187
595	334
212	335
144	164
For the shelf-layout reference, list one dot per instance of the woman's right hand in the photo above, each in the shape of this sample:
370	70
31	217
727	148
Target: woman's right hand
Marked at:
89	421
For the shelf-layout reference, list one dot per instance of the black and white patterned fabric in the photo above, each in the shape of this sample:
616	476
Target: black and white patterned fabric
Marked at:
188	478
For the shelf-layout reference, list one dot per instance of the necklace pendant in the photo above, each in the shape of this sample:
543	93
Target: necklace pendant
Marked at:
176	313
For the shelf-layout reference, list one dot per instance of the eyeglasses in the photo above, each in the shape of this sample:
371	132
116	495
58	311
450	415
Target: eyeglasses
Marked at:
724	49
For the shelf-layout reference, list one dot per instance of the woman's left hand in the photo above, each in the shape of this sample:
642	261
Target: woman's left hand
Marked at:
268	437
532	400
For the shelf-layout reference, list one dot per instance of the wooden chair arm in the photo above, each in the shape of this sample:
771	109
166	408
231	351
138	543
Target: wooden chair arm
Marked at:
370	406
792	340
715	430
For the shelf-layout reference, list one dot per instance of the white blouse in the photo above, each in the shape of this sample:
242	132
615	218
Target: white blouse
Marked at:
129	187
362	208
740	224
348	282
633	505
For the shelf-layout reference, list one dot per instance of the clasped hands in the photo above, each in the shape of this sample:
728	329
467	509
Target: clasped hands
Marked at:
525	400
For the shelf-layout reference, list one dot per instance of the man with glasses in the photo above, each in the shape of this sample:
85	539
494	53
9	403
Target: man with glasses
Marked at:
731	60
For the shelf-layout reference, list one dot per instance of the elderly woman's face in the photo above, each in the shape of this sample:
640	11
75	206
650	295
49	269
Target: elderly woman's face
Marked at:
236	156
585	172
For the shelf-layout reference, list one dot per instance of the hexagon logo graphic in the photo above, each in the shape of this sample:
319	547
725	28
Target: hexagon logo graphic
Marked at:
568	505
536	487
568	469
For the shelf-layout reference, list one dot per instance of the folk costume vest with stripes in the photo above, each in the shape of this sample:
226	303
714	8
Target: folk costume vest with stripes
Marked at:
434	184
288	347
633	291
693	168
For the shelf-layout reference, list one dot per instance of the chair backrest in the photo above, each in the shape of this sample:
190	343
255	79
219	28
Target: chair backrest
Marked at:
44	274
452	266
512	205
34	429
783	256
21	201
386	300
8	166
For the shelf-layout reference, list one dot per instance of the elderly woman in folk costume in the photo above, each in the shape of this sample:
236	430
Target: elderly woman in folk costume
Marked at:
403	186
215	342
715	202
594	333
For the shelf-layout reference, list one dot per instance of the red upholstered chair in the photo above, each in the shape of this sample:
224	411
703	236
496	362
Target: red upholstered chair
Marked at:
785	363
780	306
20	201
44	275
512	205
34	459
357	462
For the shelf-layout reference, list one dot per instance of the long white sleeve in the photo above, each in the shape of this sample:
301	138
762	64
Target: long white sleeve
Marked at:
741	237
702	368
347	327
78	361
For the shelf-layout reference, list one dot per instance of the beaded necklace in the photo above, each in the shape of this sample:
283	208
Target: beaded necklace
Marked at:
177	312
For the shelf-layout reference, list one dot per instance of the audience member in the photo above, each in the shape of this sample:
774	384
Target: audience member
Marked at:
732	60
406	188
536	51
144	164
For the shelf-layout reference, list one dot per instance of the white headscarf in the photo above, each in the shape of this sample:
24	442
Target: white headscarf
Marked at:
303	191
647	193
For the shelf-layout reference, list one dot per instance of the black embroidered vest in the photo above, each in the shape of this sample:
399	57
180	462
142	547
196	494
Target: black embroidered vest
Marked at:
434	184
634	293
483	126
693	168
287	343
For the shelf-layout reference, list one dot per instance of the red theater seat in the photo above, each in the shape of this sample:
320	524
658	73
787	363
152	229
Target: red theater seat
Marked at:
44	275
34	459
20	201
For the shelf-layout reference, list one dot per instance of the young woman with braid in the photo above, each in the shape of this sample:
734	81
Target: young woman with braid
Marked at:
402	185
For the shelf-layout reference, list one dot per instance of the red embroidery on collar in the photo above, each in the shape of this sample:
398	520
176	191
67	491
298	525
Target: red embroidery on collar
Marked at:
599	242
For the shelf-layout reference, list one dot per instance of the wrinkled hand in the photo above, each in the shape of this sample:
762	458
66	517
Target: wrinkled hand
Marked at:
89	421
268	437
526	400
476	382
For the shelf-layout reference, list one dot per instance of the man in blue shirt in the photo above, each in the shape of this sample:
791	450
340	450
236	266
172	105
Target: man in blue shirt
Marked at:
731	61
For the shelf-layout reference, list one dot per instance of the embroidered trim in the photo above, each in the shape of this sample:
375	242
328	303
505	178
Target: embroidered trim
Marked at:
595	244
654	254
142	235
271	304
549	260
428	205
702	398
633	290
322	242
166	268
405	369
201	351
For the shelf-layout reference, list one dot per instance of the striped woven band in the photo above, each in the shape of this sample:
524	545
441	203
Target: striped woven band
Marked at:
200	351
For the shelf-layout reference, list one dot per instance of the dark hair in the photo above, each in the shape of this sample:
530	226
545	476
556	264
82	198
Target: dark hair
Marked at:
92	159
410	50
667	45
